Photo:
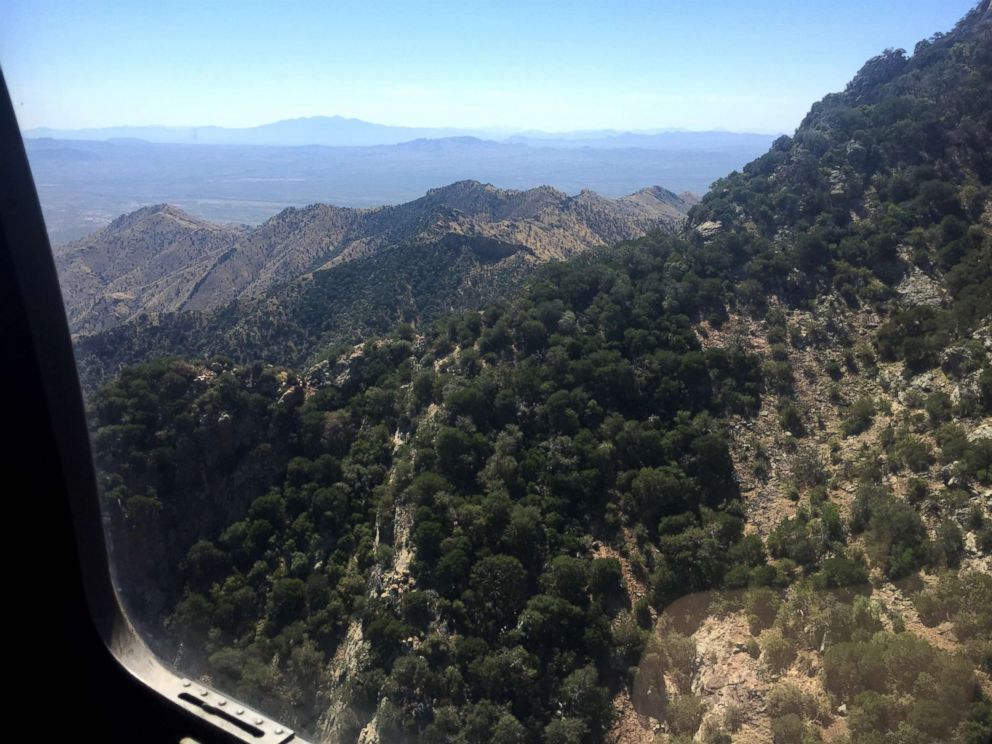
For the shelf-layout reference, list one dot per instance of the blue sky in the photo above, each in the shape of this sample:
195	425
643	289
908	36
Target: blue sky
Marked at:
748	65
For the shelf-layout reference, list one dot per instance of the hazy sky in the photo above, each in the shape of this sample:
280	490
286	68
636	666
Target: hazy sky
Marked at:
742	65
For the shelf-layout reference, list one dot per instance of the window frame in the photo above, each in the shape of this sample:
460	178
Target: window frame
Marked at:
92	659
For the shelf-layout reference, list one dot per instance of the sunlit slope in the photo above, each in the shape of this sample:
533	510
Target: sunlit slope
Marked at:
158	281
487	530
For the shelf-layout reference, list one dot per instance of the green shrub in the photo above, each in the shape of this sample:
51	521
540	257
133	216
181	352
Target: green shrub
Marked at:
808	469
679	653
684	714
753	647
953	442
985	389
914	453
790	419
788	729
949	544
984	538
939	407
786	698
777	651
859	417
978	460
840	571
917	491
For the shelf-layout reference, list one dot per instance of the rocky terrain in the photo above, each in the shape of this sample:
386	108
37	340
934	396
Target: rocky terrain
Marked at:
781	475
161	260
732	484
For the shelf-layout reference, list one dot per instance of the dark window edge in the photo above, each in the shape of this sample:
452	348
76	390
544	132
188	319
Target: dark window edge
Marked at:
93	664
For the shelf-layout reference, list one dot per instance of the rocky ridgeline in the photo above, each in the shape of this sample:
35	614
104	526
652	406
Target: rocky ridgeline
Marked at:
161	260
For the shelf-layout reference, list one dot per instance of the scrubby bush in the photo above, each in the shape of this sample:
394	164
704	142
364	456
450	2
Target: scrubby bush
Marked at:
914	453
777	651
858	417
684	714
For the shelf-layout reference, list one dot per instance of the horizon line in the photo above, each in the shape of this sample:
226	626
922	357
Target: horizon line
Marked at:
502	130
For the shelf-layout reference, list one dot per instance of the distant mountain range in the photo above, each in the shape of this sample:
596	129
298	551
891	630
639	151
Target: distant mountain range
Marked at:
160	261
339	131
84	185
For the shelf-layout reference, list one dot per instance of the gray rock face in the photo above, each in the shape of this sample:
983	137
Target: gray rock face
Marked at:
709	228
919	289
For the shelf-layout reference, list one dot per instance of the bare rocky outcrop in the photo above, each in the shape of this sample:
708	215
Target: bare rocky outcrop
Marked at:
919	289
386	583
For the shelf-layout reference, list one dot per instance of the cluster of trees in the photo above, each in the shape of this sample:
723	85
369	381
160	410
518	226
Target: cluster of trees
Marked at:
889	174
515	437
256	517
900	688
966	601
294	323
243	516
891	685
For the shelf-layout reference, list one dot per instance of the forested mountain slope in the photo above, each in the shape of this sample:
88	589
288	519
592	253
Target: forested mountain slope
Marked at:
161	260
731	485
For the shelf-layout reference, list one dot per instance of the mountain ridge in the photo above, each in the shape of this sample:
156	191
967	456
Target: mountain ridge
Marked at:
250	183
729	485
159	259
352	132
